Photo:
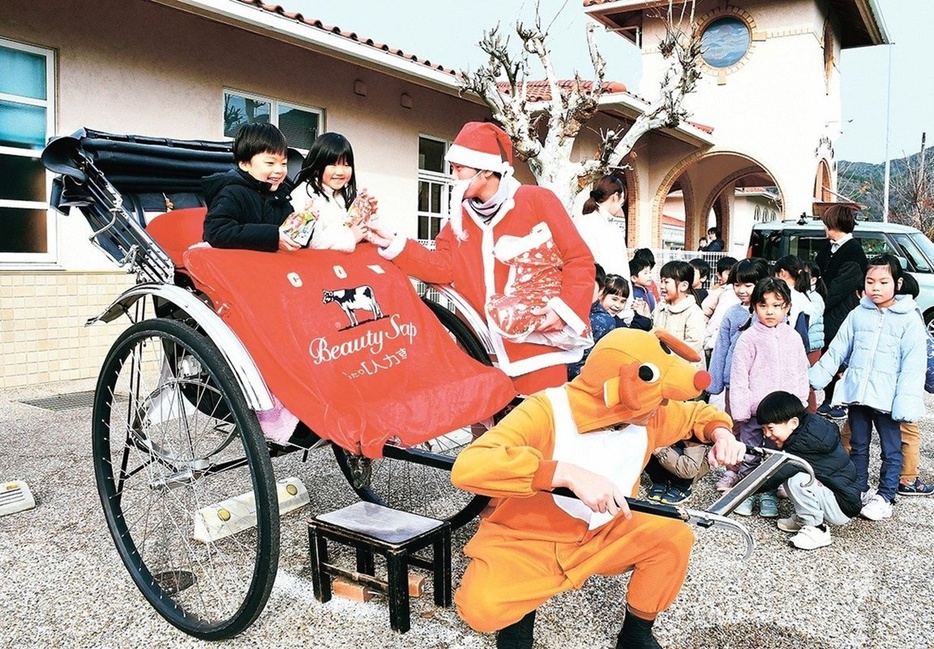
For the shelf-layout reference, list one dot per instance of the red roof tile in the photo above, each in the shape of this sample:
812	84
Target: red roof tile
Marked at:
537	90
703	127
351	36
672	221
541	90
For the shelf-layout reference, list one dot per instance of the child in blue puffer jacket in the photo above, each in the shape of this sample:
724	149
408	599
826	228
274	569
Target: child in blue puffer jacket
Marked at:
883	344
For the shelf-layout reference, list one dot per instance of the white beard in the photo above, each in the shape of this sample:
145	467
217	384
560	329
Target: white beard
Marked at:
456	213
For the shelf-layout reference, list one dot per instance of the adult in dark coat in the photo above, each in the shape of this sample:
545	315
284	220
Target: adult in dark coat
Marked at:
843	268
716	243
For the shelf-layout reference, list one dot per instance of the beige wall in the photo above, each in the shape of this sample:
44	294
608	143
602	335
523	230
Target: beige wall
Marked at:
42	337
132	66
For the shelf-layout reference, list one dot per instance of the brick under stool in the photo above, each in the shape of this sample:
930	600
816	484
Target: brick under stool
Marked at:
396	535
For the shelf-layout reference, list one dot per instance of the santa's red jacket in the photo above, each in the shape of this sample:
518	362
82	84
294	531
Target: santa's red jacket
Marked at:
469	264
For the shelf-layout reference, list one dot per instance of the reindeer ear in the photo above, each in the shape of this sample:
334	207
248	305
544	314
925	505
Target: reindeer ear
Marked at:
676	345
623	390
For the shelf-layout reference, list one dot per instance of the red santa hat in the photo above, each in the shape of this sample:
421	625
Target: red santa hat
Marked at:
483	146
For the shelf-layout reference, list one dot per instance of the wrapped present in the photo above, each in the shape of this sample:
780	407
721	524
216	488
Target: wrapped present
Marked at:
299	226
361	211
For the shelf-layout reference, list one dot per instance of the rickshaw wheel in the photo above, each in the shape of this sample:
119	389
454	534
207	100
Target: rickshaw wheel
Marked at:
179	460
418	480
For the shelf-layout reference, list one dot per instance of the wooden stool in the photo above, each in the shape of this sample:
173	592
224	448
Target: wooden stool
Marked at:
394	534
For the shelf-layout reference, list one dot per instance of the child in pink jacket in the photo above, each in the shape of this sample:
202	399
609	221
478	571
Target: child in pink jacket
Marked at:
768	356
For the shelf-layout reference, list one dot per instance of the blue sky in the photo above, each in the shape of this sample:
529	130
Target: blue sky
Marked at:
448	33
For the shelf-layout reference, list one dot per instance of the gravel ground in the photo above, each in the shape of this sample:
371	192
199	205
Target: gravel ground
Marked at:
62	583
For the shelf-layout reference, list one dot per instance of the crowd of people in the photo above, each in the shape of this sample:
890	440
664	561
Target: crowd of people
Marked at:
554	289
792	328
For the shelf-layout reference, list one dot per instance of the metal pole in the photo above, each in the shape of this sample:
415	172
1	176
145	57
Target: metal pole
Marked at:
888	163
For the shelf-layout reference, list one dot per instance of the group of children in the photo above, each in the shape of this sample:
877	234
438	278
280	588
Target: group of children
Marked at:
248	205
763	334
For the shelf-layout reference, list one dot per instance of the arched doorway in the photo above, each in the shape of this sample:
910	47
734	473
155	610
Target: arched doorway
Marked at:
729	190
823	183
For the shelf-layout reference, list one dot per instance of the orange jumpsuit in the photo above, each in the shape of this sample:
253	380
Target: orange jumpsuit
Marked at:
535	544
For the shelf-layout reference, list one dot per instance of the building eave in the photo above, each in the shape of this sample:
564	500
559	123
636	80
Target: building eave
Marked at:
630	107
872	23
295	31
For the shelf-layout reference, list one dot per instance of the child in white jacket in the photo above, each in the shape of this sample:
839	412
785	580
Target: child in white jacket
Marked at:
328	190
679	313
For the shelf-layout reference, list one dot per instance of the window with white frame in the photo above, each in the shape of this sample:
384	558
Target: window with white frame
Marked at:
299	124
27	226
434	183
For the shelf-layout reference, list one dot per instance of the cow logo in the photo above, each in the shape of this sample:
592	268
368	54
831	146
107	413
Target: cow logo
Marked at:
351	300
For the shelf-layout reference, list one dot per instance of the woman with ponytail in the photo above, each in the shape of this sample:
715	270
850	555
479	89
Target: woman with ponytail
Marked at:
606	241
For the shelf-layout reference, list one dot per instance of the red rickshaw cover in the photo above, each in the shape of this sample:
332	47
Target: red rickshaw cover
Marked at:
346	344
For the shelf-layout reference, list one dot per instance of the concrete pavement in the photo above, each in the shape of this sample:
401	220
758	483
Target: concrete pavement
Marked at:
63	585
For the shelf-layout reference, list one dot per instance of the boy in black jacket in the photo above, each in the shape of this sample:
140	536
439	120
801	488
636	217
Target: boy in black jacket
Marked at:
834	496
247	205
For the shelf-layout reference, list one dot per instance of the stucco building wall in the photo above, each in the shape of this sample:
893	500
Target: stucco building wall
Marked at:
132	66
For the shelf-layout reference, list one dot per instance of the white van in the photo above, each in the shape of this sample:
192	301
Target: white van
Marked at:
804	237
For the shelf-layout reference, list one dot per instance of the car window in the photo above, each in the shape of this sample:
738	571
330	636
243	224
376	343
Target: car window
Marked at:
874	243
805	246
910	250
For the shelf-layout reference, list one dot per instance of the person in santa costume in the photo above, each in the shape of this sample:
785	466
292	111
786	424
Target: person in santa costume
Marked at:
515	255
594	436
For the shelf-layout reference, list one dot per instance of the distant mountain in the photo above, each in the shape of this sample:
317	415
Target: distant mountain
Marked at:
864	183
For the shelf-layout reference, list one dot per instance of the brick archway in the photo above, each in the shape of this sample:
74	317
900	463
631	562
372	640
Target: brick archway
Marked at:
752	166
823	182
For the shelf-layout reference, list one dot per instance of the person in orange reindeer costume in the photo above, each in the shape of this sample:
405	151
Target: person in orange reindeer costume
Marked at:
594	436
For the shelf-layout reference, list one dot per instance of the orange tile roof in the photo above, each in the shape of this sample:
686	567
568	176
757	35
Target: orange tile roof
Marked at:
351	36
537	90
541	90
702	127
673	221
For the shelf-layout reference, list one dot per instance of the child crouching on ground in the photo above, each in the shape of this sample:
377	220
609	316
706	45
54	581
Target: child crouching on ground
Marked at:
674	469
834	496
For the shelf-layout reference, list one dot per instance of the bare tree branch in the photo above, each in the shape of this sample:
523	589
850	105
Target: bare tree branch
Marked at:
544	131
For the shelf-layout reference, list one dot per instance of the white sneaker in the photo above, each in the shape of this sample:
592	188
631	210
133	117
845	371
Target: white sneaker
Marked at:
790	524
781	493
876	509
811	538
866	496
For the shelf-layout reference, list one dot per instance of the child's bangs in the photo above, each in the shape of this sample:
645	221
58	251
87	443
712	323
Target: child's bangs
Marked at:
746	274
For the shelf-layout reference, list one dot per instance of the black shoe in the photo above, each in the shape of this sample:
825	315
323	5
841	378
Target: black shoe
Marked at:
636	634
518	635
675	495
837	412
657	490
